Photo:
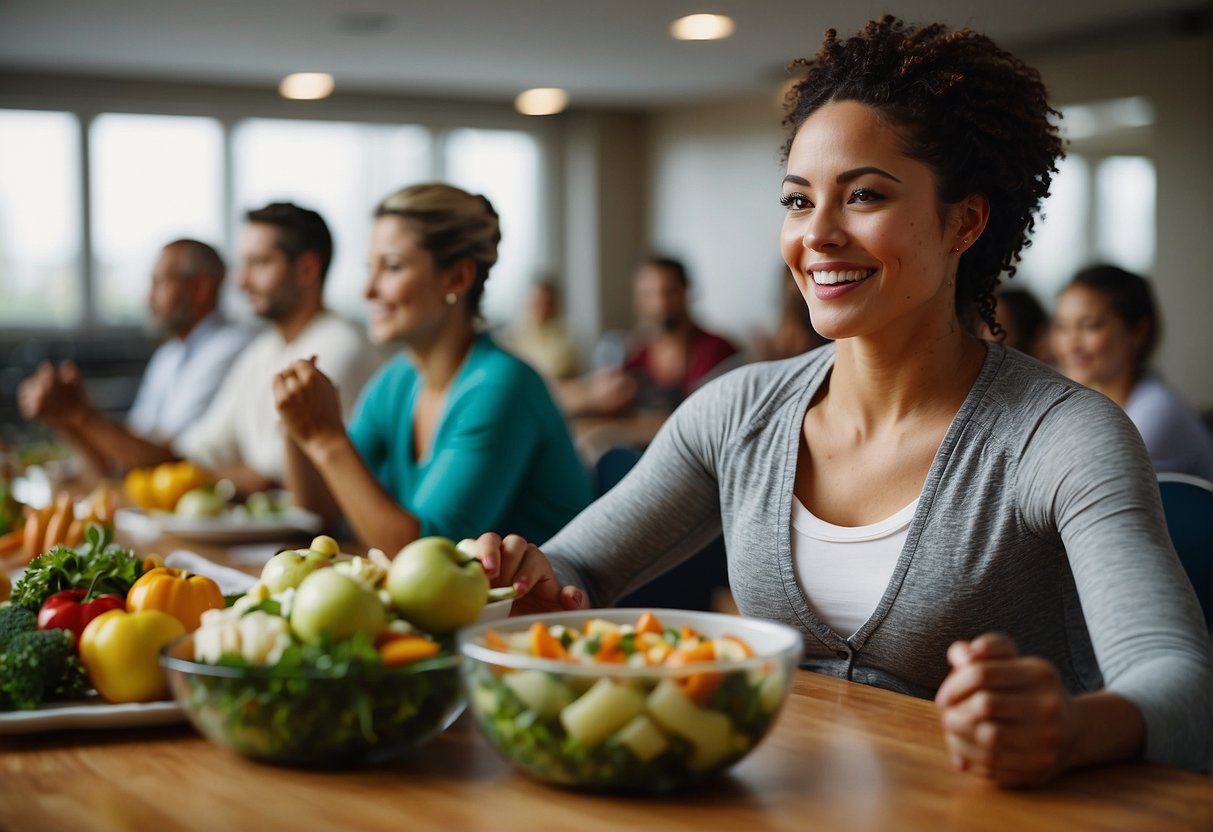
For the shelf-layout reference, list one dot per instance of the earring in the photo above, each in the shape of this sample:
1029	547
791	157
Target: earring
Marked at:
451	298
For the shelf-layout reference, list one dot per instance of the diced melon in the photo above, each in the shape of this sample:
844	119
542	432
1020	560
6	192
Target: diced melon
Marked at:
485	699
601	711
598	626
707	731
539	691
771	691
643	737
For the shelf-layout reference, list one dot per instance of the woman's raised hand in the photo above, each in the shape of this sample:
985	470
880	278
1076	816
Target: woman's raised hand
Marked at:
1005	716
514	562
308	404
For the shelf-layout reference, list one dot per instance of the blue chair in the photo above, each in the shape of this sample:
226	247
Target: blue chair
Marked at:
689	585
1188	504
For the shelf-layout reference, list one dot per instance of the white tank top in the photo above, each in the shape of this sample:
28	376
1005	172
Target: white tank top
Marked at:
844	570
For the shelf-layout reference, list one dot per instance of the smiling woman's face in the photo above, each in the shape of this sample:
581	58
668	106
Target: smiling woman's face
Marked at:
863	235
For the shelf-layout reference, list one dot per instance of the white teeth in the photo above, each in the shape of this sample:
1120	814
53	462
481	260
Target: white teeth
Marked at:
830	278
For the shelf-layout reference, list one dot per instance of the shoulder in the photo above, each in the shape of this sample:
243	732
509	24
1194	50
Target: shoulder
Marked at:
1152	400
394	378
332	330
761	392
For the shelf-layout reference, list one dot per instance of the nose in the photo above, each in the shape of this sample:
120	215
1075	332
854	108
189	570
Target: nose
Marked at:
823	230
369	291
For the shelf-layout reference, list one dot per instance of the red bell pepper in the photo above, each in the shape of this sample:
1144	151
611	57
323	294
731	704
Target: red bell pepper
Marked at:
68	610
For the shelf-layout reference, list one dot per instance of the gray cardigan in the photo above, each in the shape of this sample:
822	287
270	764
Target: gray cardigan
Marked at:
1040	518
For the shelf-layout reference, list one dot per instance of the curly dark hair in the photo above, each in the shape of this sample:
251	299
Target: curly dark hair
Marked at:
974	113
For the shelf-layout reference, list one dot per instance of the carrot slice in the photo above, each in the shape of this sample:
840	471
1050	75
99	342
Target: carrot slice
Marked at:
685	633
700	686
704	651
407	649
544	644
649	623
495	640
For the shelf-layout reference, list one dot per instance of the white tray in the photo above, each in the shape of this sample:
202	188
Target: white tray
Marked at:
92	713
233	527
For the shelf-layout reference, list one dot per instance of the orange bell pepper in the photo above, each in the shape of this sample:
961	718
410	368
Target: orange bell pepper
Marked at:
544	644
649	623
494	639
407	649
181	594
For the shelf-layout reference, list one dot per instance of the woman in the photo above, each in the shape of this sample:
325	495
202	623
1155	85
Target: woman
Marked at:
993	530
1104	332
453	437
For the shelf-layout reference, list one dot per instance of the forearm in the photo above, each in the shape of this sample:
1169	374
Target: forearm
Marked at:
307	486
112	445
1108	729
377	520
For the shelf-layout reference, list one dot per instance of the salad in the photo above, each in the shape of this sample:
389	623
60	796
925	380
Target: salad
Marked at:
325	660
634	706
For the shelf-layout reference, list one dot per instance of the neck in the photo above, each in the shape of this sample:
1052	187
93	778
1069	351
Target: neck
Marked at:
297	320
439	359
882	380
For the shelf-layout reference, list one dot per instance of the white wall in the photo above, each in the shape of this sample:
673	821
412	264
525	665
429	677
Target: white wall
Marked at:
715	184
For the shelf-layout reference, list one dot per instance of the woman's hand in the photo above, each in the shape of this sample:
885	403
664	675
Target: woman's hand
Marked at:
514	562
308	405
1005	716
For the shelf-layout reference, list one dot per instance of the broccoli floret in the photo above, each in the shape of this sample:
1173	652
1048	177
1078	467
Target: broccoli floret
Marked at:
15	620
34	666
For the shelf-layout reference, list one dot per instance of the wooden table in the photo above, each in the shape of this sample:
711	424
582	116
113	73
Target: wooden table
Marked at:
841	756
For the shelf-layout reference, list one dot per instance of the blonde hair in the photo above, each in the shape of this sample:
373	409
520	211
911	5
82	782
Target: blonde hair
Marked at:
452	225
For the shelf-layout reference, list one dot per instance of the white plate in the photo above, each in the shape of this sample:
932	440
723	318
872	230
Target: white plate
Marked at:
233	527
93	713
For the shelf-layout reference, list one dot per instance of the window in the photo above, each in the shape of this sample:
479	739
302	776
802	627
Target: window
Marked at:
154	179
1060	244
1125	199
505	166
40	235
339	169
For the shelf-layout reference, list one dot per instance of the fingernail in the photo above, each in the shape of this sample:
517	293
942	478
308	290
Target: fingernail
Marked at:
521	585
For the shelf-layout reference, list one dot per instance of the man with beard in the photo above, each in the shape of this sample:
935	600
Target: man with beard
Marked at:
181	379
673	357
285	253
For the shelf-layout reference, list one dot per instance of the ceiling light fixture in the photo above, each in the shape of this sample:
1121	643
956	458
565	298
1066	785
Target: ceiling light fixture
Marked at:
306	86
541	101
702	27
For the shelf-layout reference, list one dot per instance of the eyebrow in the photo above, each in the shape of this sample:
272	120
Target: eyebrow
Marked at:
845	176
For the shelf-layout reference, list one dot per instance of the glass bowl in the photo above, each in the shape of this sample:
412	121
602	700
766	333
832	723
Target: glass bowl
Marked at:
615	727
312	718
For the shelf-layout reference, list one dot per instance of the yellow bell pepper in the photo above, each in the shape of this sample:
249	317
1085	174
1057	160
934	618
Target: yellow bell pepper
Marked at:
181	594
121	652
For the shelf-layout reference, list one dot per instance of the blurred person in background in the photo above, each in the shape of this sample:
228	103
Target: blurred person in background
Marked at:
1105	328
674	355
1024	322
794	335
541	338
455	435
285	253
182	378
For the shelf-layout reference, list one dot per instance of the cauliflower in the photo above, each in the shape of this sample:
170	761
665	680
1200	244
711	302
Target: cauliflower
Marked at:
370	571
257	636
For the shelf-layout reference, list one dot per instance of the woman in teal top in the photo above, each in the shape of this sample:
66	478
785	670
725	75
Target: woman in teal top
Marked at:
456	436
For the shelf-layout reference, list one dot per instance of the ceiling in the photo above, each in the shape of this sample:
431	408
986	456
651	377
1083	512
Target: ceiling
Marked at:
605	53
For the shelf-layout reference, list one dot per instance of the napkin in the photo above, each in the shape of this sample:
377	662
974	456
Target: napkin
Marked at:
231	581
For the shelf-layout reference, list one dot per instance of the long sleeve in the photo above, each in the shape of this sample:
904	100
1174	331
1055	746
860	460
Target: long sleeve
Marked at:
1085	473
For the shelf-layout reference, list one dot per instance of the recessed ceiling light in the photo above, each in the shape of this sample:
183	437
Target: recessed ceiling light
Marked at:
541	101
702	27
306	86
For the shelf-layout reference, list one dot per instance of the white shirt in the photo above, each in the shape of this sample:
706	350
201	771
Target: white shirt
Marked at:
241	426
845	570
183	377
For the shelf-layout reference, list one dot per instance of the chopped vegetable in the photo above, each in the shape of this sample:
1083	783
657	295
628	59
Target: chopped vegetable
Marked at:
96	562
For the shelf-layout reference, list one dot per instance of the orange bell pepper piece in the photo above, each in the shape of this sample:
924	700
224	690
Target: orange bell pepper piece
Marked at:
544	644
649	623
494	639
407	649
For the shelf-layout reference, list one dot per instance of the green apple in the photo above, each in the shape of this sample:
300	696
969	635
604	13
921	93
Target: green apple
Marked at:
288	568
332	603
436	586
200	502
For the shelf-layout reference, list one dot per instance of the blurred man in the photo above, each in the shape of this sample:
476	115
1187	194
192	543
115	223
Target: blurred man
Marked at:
285	253
541	338
182	377
674	355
